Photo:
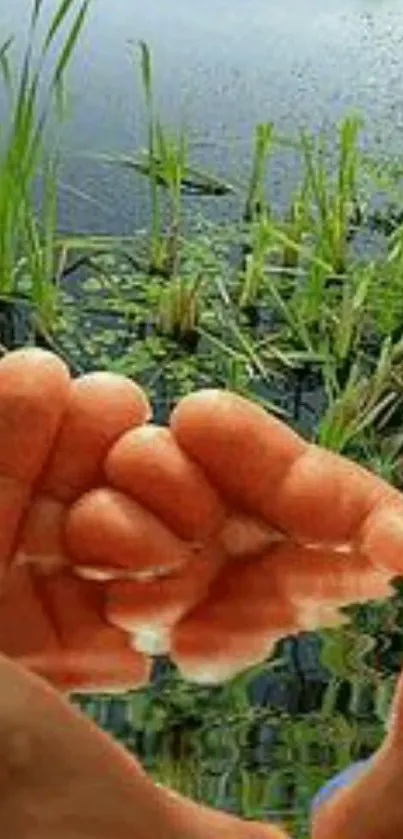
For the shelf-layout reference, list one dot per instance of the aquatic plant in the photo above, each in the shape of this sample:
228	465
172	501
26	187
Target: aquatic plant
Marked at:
30	259
255	261
336	200
178	311
255	201
361	402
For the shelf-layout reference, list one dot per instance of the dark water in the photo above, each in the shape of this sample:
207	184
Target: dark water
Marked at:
221	66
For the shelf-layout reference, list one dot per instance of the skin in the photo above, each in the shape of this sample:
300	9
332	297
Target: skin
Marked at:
275	523
372	805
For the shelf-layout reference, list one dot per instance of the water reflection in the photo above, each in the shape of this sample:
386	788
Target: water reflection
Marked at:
246	747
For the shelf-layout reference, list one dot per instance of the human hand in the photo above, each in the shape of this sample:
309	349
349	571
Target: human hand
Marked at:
228	502
60	776
242	567
304	532
54	434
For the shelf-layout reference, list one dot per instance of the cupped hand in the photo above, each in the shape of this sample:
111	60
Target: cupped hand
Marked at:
298	532
60	776
337	529
207	540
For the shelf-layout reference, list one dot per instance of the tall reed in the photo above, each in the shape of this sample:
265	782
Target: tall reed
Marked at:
28	246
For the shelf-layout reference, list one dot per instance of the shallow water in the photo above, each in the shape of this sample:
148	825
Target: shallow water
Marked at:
222	66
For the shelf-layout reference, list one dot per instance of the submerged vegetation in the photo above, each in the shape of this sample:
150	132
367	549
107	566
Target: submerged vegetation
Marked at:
299	308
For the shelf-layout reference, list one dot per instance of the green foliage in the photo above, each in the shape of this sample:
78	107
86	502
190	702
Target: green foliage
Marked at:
28	248
260	306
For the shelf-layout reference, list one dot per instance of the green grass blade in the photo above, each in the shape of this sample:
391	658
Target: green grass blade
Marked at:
36	10
57	22
146	70
70	44
49	218
4	62
26	91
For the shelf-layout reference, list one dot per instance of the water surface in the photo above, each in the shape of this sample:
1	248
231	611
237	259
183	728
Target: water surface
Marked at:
221	66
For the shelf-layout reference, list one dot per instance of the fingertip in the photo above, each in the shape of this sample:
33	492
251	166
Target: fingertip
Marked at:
148	464
381	536
242	449
102	406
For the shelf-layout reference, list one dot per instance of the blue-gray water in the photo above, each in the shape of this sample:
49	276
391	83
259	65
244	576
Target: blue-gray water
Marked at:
222	66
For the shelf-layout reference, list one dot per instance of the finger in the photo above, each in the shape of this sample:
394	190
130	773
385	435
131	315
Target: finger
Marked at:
324	575
327	499
24	623
92	655
34	391
56	628
263	598
380	537
115	670
148	609
50	750
106	530
202	820
394	736
236	626
148	465
220	654
102	406
308	493
40	544
243	451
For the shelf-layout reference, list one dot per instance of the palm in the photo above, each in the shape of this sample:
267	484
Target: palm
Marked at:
237	523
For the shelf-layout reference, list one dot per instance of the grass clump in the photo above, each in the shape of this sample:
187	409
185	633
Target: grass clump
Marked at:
30	261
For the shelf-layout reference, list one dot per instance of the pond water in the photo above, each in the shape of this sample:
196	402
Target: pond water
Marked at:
221	66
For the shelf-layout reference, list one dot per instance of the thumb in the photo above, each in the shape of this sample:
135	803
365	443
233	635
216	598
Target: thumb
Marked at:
395	719
55	761
39	725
